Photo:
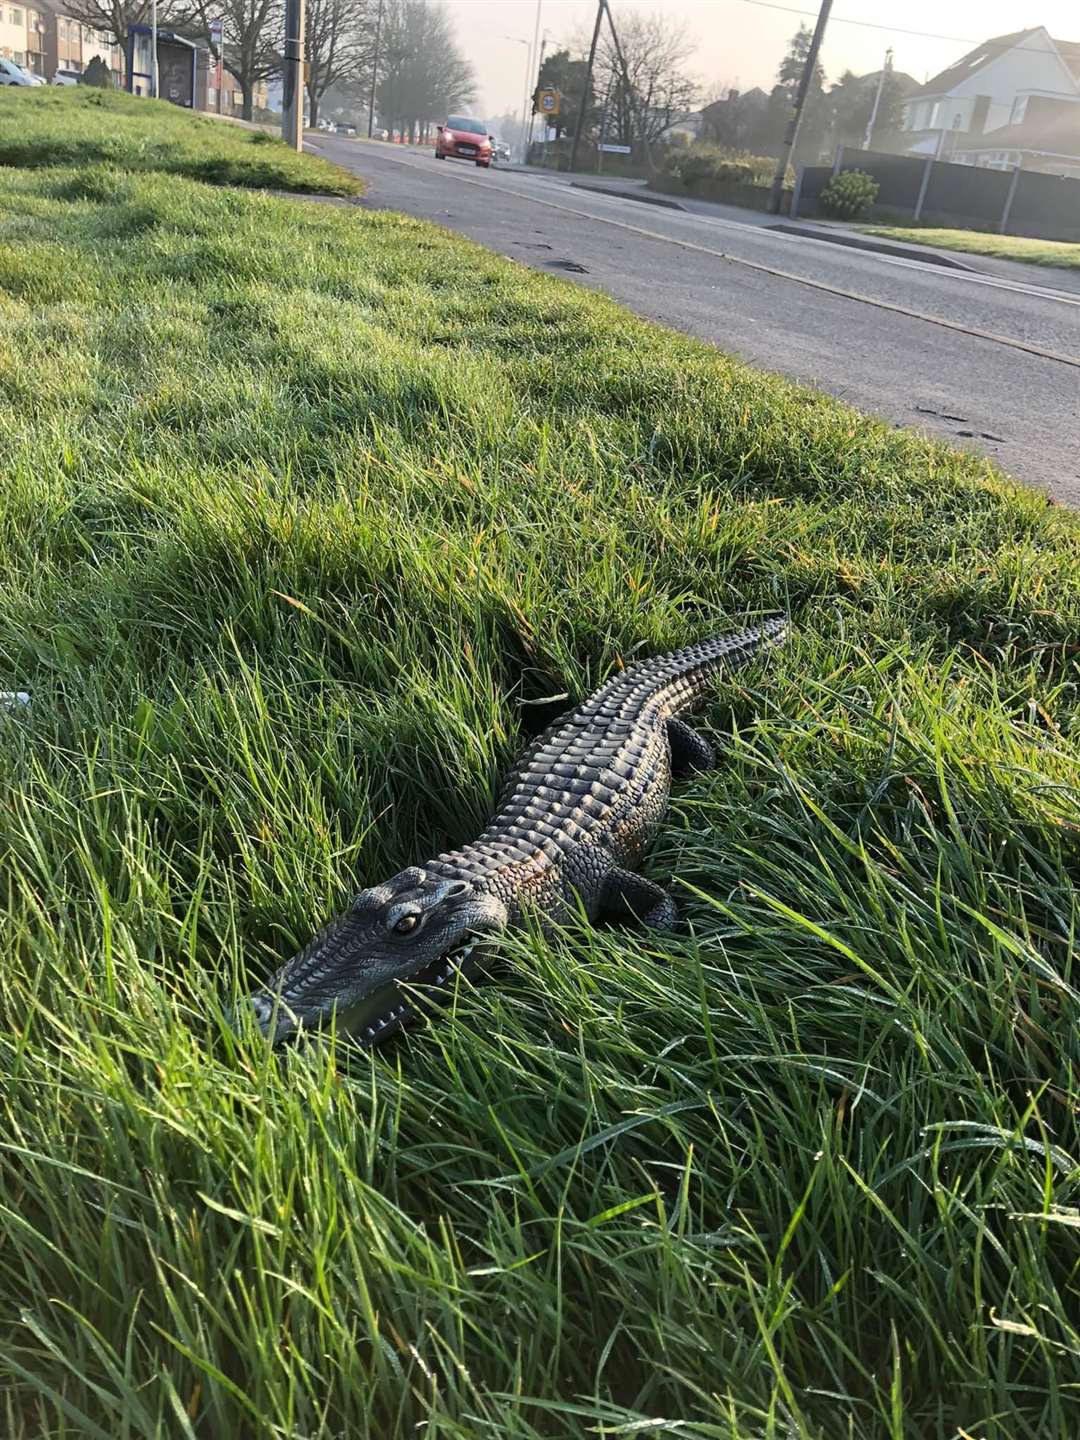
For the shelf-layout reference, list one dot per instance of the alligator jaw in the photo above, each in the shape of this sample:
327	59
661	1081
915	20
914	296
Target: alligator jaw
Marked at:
377	1016
369	1024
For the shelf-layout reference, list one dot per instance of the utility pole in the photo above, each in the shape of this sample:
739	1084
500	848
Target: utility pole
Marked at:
153	50
292	111
630	89
374	72
886	70
600	8
792	132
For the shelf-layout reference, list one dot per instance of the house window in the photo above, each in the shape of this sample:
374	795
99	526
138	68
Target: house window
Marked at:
957	121
15	16
1019	108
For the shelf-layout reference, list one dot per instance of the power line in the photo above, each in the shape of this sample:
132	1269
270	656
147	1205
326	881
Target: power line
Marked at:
892	29
865	24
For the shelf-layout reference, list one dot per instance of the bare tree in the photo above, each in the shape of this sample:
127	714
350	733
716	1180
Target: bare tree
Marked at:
656	50
116	17
340	38
422	74
254	34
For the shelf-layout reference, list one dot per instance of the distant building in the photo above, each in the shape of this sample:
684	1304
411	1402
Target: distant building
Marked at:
102	44
60	42
1013	100
232	97
1046	137
739	120
22	36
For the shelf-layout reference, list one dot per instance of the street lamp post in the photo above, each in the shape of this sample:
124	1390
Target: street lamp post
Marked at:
886	71
374	73
528	75
533	64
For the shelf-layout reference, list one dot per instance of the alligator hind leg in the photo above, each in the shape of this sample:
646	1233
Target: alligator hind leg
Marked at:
630	897
689	750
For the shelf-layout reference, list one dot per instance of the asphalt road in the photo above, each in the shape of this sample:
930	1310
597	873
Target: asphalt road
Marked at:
716	278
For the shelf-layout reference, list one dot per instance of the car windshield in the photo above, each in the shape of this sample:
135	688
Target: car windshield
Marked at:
474	127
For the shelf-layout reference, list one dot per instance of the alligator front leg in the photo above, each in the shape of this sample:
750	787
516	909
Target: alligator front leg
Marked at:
690	751
630	897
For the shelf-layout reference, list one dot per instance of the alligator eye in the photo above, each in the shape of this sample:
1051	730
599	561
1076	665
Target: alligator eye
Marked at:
405	924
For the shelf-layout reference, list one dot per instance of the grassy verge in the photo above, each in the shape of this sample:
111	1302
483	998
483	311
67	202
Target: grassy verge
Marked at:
68	126
1005	247
299	507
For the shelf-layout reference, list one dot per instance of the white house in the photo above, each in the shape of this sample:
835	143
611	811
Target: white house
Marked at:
990	89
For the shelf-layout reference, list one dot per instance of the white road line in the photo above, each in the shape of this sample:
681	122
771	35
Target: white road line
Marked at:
988	335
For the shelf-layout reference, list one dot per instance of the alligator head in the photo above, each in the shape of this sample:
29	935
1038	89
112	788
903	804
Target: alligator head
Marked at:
416	927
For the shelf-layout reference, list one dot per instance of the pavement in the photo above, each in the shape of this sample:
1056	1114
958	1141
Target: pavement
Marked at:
987	358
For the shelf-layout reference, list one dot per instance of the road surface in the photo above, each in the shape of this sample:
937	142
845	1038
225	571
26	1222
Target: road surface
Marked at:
903	349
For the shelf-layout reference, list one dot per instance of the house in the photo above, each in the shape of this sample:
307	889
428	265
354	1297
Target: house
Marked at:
102	44
68	44
22	36
739	120
1045	136
232	97
991	89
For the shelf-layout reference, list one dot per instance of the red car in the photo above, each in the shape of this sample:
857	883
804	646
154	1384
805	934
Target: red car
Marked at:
463	139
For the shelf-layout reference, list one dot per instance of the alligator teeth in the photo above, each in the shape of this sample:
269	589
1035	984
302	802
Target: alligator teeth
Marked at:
451	967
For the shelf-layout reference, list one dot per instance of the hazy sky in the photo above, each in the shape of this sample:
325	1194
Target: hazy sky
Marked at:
741	42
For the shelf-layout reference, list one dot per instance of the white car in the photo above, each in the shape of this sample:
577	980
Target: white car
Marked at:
64	76
12	74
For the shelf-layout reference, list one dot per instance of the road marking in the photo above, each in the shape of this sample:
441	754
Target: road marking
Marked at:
415	161
989	335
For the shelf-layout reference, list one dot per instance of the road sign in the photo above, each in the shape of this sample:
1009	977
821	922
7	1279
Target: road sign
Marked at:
615	149
217	34
550	102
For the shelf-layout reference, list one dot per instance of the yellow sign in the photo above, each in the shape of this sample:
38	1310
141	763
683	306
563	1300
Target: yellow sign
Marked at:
550	101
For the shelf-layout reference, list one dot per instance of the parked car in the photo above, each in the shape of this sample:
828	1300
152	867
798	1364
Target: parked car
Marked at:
463	139
500	151
64	76
346	129
12	74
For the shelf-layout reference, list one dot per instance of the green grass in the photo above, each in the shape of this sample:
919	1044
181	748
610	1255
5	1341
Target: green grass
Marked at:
1004	247
69	126
303	510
